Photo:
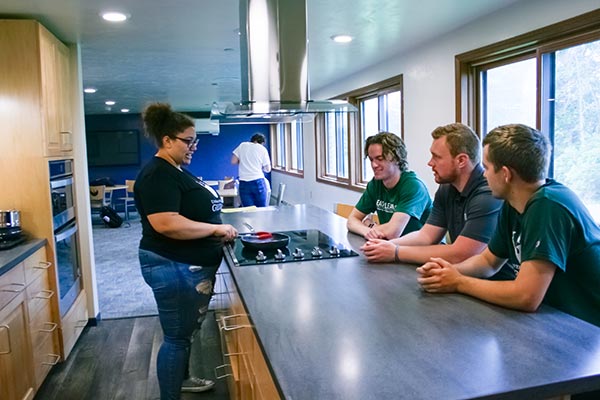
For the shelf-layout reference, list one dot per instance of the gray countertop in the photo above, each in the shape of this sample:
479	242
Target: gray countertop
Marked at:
347	329
12	257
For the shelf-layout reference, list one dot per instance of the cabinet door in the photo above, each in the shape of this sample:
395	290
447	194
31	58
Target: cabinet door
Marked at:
54	60
15	352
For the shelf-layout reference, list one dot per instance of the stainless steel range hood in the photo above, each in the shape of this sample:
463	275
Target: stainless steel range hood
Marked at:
274	59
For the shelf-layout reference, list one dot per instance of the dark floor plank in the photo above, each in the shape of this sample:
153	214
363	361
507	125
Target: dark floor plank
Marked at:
117	360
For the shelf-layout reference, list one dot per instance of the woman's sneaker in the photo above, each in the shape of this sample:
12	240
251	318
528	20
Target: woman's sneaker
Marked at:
196	385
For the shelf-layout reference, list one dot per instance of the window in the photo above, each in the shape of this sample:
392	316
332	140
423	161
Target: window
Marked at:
340	159
287	148
546	79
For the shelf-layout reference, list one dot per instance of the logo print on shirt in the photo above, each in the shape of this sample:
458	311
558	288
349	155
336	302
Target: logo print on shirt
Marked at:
385	207
516	241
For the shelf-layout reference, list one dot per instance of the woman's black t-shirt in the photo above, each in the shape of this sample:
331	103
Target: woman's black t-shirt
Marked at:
160	187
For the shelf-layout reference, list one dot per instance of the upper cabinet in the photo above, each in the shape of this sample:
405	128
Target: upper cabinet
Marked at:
36	68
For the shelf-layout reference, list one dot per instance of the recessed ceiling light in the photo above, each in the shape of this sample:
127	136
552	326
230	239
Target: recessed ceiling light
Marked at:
342	38
124	110
113	16
110	102
90	90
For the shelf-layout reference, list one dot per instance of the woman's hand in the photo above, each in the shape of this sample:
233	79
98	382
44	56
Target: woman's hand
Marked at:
226	232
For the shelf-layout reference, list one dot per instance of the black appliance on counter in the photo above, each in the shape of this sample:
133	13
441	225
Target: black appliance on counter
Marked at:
304	245
10	237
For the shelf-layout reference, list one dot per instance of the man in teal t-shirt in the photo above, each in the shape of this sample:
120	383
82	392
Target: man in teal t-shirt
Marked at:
399	197
543	227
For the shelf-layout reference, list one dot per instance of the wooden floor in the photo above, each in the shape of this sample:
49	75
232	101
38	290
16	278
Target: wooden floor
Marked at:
117	360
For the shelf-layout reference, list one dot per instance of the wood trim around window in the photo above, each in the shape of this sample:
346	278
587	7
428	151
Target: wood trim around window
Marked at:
528	43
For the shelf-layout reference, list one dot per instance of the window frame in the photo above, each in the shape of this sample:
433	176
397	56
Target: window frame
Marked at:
288	147
354	136
553	37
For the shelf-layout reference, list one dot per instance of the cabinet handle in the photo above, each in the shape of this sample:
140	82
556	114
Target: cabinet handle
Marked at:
233	327
21	285
43	265
82	323
53	324
8	336
219	293
56	360
224	366
44	294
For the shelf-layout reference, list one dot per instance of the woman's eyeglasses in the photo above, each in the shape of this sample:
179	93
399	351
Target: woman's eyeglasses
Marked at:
189	141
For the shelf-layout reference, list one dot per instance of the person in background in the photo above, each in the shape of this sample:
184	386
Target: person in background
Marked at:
463	206
543	227
253	159
397	195
181	245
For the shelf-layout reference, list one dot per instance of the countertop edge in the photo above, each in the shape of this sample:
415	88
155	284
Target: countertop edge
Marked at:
12	257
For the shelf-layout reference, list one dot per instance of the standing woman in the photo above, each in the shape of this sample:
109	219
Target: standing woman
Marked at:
181	245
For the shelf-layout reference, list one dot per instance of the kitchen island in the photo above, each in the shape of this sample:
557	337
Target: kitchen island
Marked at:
347	329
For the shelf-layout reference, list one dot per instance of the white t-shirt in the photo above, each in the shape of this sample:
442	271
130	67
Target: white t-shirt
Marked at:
254	158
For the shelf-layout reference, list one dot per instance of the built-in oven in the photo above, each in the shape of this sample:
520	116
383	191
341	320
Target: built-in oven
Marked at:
62	192
66	243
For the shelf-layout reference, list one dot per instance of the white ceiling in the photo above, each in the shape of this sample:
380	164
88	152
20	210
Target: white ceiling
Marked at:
173	51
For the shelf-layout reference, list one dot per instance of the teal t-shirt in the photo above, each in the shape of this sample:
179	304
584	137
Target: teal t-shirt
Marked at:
555	226
409	196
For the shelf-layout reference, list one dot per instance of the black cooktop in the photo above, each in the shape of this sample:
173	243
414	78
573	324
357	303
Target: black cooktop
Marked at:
304	245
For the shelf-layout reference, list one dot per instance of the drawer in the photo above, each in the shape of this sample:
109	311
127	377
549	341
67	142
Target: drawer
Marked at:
42	326
44	357
11	284
39	294
73	323
35	265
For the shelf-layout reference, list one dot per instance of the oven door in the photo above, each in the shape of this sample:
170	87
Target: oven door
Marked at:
63	204
67	265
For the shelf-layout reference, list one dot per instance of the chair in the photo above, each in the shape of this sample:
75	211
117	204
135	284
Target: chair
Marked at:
98	198
280	193
128	199
343	210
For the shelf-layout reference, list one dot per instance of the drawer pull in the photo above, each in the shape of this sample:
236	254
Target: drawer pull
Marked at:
56	360
82	323
224	366
8	336
43	265
44	294
226	327
21	288
232	354
52	324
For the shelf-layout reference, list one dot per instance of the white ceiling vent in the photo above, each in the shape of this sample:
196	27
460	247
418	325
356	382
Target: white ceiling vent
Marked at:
206	126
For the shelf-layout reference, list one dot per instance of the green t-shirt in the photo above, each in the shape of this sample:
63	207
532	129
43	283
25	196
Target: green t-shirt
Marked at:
555	226
409	196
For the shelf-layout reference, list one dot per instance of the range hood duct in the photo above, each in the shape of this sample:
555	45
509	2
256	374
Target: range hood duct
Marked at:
274	60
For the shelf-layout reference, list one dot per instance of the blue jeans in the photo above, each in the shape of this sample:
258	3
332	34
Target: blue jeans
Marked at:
182	298
254	193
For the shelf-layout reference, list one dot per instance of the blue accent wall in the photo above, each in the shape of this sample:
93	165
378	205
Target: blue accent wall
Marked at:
212	159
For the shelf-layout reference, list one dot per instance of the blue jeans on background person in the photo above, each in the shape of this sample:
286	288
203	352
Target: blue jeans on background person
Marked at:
254	193
182	298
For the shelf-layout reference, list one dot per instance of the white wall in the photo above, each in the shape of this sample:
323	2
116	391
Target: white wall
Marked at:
428	90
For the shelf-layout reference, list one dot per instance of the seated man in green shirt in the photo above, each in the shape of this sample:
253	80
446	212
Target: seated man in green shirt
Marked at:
543	227
399	197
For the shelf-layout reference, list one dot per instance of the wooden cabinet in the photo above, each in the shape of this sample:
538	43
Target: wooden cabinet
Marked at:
73	322
43	323
16	365
28	339
244	364
55	74
36	71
